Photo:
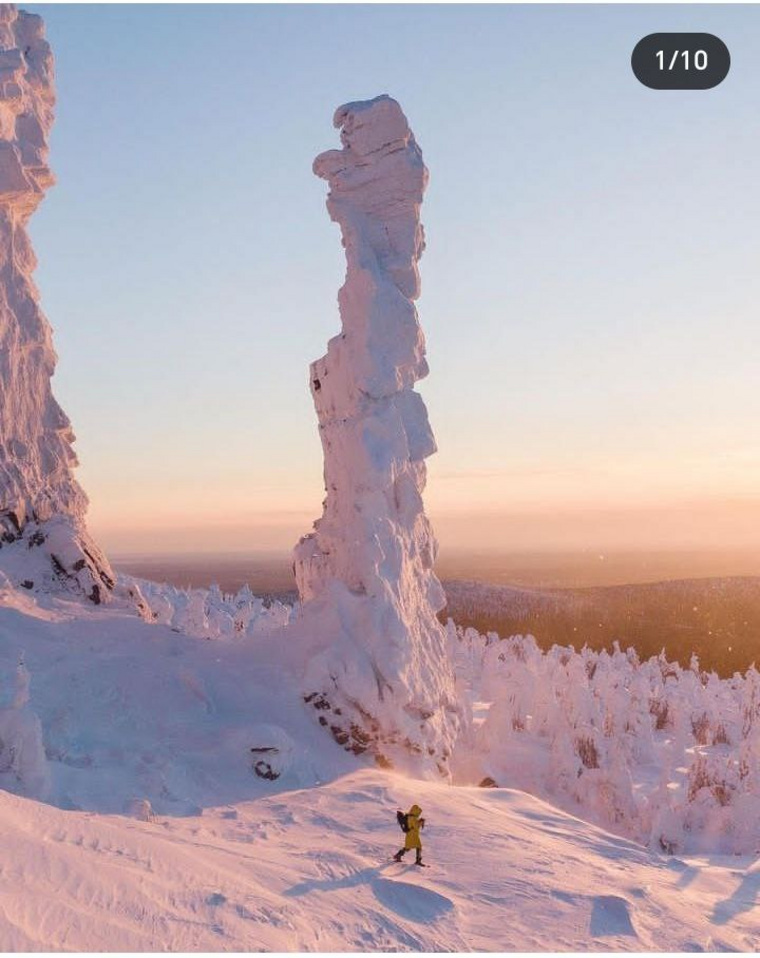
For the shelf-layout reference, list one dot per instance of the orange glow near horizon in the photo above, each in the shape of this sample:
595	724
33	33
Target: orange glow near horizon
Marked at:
700	526
704	504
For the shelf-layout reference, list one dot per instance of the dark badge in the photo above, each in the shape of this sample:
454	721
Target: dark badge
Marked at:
681	61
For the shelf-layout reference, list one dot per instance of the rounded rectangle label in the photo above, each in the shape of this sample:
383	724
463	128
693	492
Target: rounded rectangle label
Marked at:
680	61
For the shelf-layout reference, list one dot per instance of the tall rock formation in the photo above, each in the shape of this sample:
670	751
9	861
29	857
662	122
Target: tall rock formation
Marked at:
380	676
43	540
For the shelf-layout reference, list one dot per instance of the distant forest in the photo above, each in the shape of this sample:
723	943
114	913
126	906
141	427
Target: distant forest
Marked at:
716	619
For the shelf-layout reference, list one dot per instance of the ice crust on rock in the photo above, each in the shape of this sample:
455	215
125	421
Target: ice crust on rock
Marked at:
44	543
382	682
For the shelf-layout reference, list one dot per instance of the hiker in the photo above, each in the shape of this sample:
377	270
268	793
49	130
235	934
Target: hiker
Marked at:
411	824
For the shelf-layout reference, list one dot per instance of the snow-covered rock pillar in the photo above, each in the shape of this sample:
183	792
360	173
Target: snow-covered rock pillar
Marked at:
43	540
381	678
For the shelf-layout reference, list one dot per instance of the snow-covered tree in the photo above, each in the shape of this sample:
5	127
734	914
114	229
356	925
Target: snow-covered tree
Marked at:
23	765
666	755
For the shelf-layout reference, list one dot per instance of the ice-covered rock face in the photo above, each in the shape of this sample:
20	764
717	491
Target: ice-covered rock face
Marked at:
43	540
382	680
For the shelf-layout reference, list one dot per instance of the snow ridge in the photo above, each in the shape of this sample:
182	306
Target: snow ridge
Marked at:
382	682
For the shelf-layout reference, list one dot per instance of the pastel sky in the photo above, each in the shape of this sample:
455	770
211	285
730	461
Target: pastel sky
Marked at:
590	286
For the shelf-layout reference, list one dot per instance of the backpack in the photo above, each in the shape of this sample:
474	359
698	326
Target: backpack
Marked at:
403	824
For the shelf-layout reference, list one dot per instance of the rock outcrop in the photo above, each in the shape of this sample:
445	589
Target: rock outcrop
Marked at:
43	540
380	677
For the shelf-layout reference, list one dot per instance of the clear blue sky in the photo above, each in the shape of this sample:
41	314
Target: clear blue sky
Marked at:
590	287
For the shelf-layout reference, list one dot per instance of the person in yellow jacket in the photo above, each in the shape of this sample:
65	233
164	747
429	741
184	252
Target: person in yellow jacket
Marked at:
414	824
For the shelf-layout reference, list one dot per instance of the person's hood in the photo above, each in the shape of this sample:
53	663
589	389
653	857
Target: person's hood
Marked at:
415	810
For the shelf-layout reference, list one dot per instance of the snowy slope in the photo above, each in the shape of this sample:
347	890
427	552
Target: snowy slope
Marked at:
306	870
133	712
136	710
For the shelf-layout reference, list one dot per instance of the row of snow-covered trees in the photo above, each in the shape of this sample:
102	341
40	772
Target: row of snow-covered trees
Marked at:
664	754
211	613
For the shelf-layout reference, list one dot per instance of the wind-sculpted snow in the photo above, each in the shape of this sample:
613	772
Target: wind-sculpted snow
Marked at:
380	675
667	755
43	540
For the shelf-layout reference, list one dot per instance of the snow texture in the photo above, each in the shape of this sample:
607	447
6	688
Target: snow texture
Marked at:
382	680
157	834
44	543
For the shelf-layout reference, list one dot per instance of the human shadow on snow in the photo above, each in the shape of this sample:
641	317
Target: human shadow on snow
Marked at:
408	900
363	877
744	898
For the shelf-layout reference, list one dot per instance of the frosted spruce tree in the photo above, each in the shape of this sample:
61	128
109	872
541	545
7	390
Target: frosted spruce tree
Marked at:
23	765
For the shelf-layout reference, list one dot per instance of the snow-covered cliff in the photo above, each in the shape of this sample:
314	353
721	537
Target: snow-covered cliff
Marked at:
382	680
43	539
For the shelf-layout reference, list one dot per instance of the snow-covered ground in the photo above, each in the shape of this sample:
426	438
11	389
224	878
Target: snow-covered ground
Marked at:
307	870
156	834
